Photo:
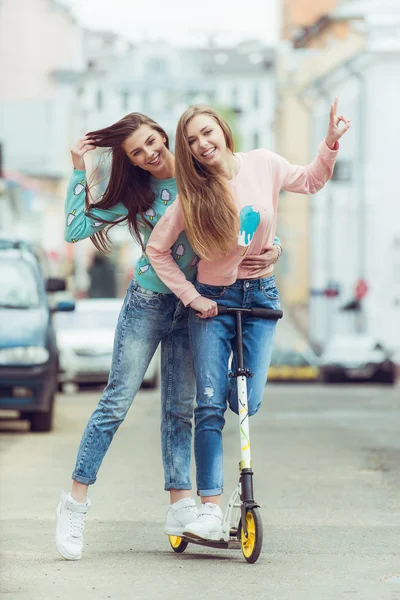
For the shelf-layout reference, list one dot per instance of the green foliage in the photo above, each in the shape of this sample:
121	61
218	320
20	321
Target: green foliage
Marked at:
232	118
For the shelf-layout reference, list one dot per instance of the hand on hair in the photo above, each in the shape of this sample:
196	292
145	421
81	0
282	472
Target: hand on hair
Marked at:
204	307
84	145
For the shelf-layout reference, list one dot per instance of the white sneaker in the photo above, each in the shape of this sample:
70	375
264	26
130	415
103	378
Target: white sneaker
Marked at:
208	524
179	515
71	517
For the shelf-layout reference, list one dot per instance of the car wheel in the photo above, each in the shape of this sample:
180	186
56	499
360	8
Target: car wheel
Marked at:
388	377
329	378
42	421
152	383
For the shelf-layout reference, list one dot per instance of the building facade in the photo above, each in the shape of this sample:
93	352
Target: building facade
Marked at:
351	52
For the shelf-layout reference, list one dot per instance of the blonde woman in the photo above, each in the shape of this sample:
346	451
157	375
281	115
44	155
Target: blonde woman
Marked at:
227	205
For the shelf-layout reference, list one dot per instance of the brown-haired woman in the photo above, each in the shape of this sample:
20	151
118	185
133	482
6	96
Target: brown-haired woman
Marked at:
141	187
228	206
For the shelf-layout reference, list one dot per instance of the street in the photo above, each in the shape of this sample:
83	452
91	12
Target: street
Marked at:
327	469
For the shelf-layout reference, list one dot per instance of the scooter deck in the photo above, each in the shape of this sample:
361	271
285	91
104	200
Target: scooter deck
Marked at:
233	544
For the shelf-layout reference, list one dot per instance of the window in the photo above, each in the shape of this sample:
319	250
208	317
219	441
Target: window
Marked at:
99	100
256	97
145	100
125	99
157	65
235	98
19	288
256	140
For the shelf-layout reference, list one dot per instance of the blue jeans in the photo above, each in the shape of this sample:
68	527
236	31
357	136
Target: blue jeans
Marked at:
146	319
212	342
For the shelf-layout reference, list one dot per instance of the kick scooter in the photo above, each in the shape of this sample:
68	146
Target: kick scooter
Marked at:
241	525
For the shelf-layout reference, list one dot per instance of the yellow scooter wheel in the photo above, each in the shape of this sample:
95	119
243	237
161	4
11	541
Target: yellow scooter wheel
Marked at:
177	543
252	544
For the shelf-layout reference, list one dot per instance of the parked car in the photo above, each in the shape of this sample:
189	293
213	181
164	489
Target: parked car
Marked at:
85	339
28	350
355	358
293	365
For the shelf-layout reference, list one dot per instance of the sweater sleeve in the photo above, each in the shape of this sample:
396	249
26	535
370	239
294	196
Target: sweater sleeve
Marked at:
307	179
78	223
158	249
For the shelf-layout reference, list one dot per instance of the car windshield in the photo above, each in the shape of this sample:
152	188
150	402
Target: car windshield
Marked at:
93	319
289	357
19	287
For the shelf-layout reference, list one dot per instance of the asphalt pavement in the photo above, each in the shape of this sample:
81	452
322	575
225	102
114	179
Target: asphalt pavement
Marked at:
327	477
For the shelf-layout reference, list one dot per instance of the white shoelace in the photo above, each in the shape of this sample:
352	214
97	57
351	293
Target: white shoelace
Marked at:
191	509
76	524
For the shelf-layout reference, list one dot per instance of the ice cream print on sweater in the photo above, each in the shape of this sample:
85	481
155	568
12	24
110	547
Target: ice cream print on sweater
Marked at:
193	262
79	187
249	221
144	264
150	214
180	251
166	196
71	217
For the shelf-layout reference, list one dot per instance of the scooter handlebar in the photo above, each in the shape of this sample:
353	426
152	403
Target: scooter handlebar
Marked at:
260	313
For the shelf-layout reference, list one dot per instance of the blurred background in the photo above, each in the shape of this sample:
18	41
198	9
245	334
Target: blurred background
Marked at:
273	68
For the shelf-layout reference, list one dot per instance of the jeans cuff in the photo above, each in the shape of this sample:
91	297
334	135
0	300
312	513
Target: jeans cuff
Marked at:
84	480
177	486
211	492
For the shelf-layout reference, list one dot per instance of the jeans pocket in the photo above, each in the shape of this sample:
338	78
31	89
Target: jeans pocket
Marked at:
270	291
212	292
144	296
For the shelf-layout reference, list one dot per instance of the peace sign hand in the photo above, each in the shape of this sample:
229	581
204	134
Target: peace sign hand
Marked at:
334	131
84	145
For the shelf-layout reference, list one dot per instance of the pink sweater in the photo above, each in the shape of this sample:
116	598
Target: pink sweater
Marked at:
262	174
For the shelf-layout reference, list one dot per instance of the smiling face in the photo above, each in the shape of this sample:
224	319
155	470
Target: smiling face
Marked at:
146	149
207	140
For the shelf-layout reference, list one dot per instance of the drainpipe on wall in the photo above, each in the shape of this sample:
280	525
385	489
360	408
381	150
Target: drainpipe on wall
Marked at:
314	249
362	213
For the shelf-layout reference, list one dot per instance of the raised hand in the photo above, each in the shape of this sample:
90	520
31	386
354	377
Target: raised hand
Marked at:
334	131
84	145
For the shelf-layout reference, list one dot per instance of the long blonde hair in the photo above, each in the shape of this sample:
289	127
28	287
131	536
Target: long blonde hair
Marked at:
211	218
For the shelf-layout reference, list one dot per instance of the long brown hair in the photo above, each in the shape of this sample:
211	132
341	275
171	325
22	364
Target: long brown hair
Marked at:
211	219
127	184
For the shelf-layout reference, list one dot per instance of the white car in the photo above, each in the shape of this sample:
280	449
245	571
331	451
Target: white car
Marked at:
356	357
85	338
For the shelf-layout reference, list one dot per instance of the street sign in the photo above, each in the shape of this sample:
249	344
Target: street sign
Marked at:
361	289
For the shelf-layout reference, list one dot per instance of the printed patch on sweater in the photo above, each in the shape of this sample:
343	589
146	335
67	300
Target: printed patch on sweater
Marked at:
249	221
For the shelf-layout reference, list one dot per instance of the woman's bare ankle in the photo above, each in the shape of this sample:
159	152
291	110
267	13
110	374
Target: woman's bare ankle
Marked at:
176	495
212	499
79	491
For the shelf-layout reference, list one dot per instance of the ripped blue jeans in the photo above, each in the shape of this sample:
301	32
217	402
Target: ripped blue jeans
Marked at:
212	342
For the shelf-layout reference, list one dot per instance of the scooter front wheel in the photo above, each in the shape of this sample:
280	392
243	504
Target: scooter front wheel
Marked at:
177	544
252	544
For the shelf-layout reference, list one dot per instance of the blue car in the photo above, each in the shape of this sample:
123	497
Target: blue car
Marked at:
28	348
